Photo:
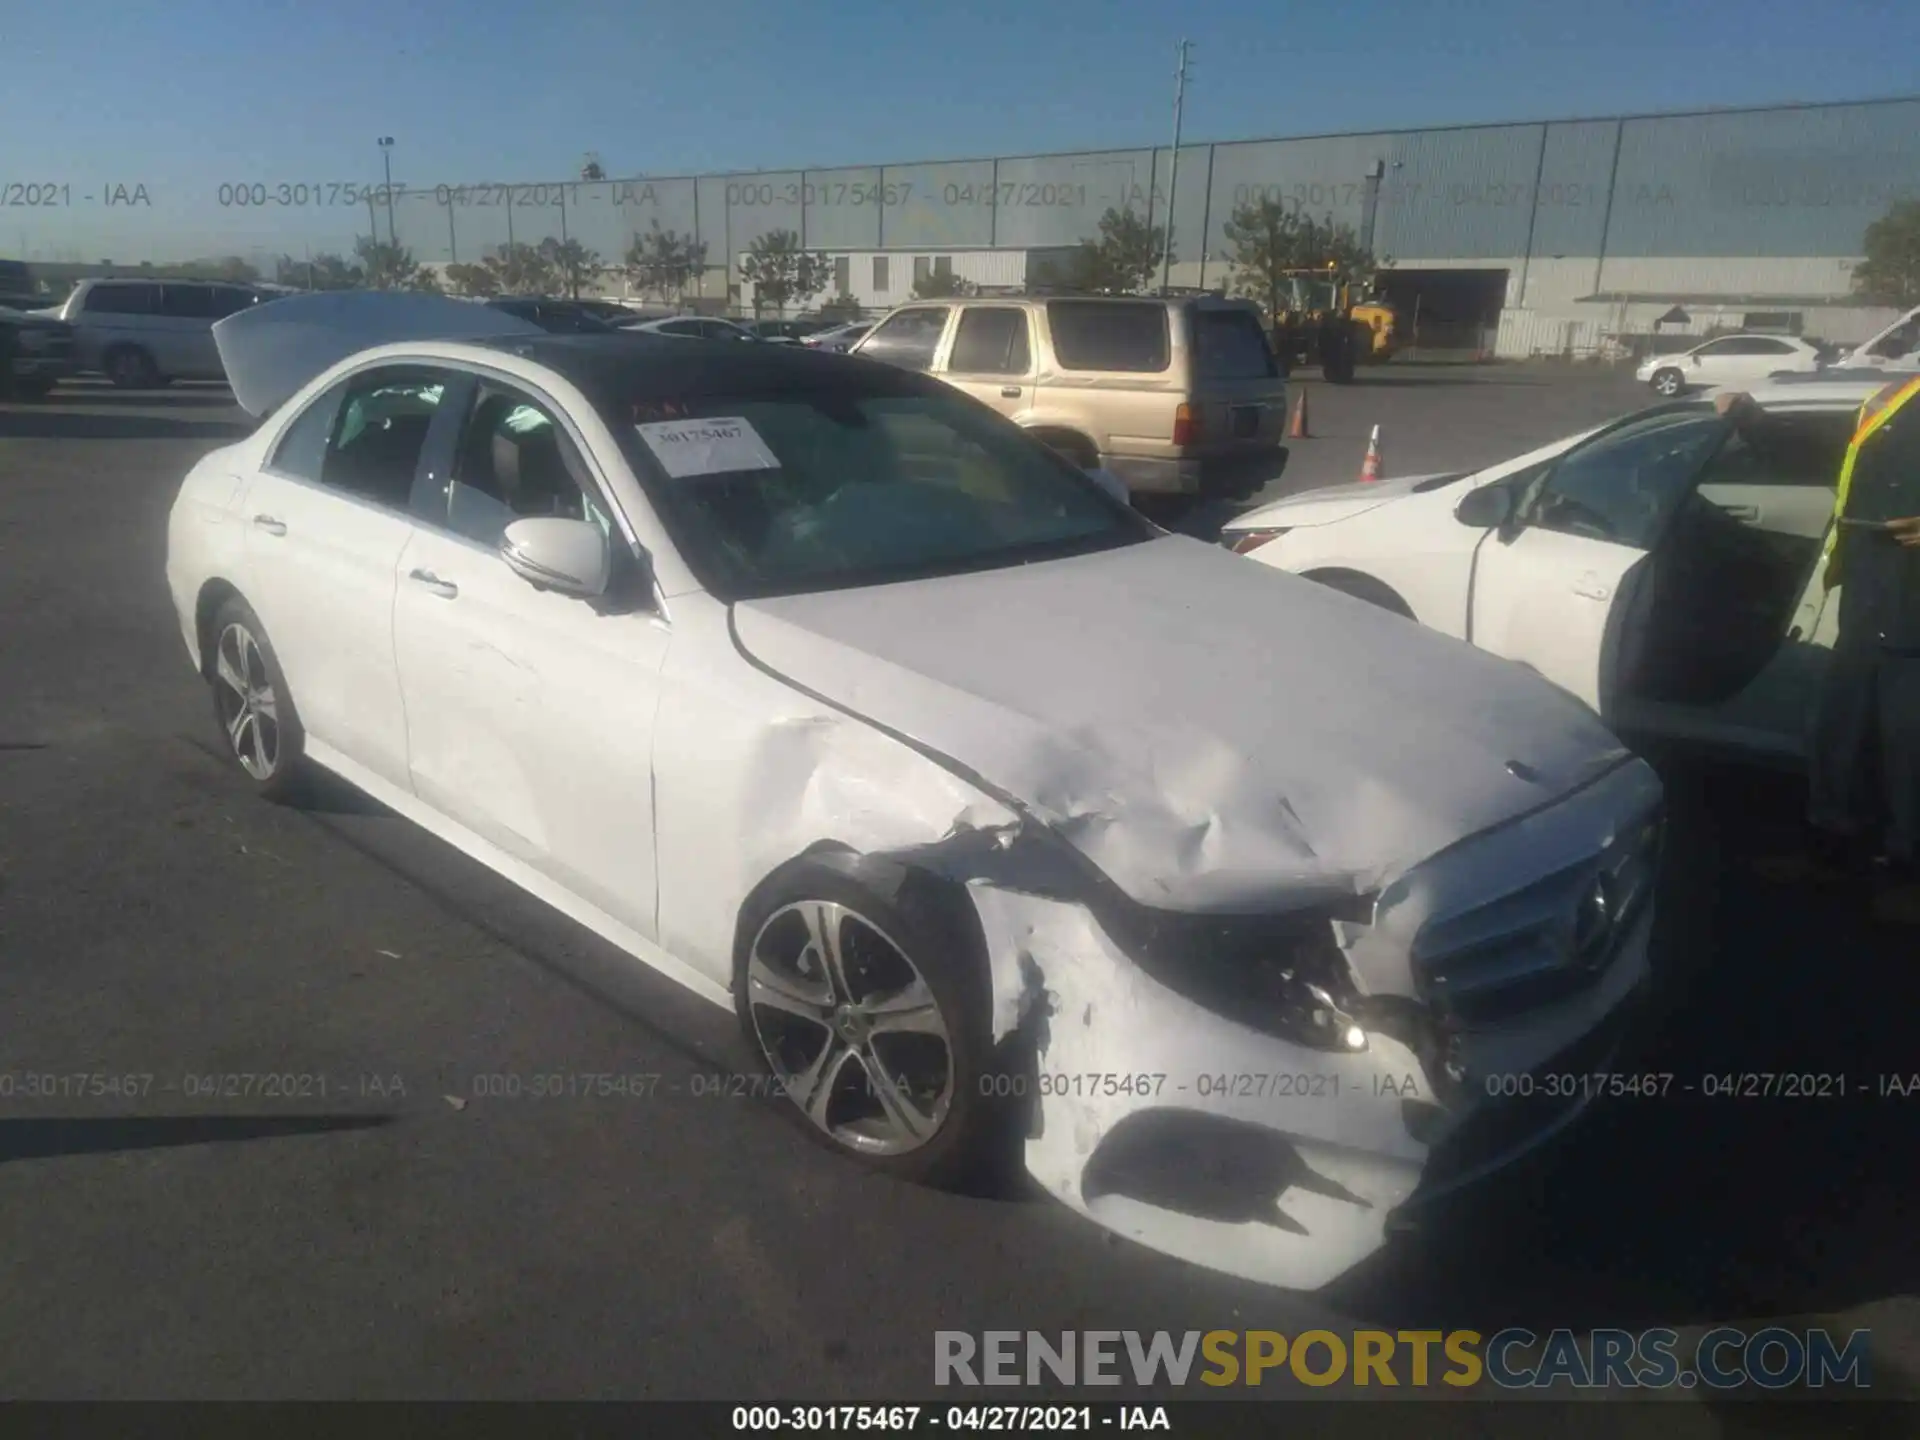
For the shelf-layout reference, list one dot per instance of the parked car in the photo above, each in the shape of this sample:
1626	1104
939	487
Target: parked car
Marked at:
1179	396
556	317
837	699
36	351
1729	360
838	339
1897	347
146	333
786	331
697	327
1663	568
611	311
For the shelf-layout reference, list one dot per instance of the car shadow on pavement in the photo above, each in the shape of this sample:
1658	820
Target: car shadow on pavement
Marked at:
45	1139
212	397
1695	1207
75	424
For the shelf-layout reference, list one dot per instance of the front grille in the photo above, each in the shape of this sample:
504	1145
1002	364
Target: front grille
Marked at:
1550	939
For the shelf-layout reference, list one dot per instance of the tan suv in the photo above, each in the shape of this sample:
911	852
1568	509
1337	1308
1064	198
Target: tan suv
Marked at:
1174	396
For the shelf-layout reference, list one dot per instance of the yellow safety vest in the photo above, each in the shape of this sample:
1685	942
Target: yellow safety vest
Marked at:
1874	413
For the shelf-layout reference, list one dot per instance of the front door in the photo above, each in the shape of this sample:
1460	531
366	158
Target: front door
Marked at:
991	358
1559	590
530	713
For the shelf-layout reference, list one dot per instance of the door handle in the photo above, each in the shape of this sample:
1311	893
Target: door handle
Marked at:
1592	587
269	524
1749	513
1010	392
445	589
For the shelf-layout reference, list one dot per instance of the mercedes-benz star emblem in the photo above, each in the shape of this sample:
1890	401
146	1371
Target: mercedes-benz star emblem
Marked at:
1593	925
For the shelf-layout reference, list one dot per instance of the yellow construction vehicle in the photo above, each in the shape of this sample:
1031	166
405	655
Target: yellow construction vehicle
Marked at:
1329	318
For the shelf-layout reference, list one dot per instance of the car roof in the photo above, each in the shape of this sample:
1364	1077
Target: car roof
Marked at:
626	363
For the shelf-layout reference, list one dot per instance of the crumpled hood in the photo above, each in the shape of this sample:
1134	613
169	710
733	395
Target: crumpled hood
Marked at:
1329	503
1213	735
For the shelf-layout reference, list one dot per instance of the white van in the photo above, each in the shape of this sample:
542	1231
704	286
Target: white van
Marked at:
143	333
1895	348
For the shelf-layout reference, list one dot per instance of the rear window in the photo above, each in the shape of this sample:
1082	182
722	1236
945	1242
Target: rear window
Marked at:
1230	345
1105	335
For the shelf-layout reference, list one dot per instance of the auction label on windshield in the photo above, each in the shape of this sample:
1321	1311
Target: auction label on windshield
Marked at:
723	445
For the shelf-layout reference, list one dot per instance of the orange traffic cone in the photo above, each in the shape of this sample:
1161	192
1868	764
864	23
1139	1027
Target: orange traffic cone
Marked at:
1370	467
1298	429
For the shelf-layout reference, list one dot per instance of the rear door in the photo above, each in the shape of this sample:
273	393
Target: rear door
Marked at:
327	521
1237	386
1559	591
991	358
183	331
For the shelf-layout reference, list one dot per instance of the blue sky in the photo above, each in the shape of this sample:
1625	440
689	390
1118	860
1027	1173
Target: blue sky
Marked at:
185	95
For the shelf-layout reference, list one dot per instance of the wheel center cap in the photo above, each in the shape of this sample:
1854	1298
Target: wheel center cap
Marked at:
851	1024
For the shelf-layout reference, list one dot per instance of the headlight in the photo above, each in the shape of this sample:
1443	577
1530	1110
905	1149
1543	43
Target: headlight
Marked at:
1283	975
1242	541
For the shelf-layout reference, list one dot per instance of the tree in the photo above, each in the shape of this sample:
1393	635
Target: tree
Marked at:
592	169
325	271
780	271
385	265
665	263
1890	275
571	264
1266	239
480	280
843	309
1126	257
521	269
940	284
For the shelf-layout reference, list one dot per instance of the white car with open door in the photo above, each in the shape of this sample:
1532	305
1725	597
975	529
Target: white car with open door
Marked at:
1662	568
1743	360
829	693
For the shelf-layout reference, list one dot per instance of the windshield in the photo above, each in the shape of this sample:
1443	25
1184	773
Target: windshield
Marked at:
779	493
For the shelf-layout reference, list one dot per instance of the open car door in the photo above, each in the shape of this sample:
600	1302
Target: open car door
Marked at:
1560	587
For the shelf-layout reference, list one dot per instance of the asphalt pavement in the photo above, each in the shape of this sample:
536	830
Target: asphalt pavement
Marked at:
407	1235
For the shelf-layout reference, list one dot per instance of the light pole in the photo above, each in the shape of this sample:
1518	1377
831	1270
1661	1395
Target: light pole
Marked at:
386	164
1173	175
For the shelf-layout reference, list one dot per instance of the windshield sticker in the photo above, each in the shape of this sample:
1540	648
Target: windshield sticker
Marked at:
722	445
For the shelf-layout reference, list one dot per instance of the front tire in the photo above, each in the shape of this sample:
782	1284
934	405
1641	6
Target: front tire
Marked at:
253	706
870	1011
1668	383
131	368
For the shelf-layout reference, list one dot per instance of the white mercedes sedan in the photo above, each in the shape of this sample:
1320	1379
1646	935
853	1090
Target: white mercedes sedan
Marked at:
817	686
1663	568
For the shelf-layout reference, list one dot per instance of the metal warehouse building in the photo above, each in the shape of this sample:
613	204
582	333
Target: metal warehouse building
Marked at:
1548	237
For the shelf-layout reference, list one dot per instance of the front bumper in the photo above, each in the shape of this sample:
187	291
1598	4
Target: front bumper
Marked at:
1230	477
1198	1135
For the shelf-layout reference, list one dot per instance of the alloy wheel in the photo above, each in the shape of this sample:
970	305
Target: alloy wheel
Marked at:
850	1027
249	709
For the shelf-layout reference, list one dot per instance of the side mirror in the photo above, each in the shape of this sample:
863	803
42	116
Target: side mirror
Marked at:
1111	483
570	556
1488	508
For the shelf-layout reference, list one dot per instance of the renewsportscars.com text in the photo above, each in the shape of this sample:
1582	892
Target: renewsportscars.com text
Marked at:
1773	1358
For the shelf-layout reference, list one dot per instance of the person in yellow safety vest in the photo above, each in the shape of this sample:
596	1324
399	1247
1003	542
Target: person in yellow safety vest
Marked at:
1864	755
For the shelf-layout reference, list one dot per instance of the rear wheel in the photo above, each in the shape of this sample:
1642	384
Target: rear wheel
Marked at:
131	368
252	704
871	1013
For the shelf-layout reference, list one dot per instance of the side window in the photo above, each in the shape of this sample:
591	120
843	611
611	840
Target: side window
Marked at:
907	338
1717	347
1771	347
1622	487
514	461
302	451
991	340
1110	335
231	300
383	425
187	302
1798	451
122	300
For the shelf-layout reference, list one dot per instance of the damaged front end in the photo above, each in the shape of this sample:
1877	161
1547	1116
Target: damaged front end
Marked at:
1269	1095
